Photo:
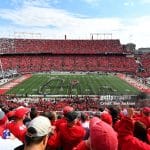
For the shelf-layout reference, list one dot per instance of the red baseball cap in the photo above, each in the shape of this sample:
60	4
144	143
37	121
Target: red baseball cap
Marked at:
21	111
67	109
146	110
106	117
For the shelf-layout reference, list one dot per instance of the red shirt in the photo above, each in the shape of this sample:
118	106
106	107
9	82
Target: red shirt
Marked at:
126	139
81	146
59	122
53	142
18	129
70	136
2	128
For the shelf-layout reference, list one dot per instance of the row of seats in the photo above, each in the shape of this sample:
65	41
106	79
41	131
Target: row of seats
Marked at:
60	46
40	63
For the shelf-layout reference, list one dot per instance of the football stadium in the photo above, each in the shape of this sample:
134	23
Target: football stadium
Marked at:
64	68
63	91
100	69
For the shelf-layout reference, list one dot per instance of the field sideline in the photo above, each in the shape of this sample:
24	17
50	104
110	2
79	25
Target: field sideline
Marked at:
89	84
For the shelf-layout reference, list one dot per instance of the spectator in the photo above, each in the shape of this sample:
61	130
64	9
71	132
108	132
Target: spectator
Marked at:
106	117
7	139
17	126
37	134
125	134
66	109
51	116
140	131
146	116
102	136
70	133
84	118
33	113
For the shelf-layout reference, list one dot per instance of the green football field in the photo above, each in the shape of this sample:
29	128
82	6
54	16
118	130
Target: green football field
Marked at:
49	84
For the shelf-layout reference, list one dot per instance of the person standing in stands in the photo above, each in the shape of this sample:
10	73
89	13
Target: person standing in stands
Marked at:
37	134
58	122
84	119
70	133
145	118
33	113
16	126
140	131
102	137
126	139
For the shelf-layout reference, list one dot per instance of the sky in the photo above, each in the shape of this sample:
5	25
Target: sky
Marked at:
127	20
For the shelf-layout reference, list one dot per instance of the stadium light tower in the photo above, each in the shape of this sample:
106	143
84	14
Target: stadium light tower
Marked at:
101	36
27	35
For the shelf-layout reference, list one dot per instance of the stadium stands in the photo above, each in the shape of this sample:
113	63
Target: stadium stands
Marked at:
37	55
60	46
39	63
145	61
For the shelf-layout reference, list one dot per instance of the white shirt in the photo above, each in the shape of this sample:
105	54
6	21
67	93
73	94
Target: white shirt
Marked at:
85	124
9	144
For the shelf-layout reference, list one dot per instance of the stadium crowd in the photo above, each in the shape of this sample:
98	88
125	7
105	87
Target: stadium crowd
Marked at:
39	63
145	61
70	129
60	46
33	55
51	104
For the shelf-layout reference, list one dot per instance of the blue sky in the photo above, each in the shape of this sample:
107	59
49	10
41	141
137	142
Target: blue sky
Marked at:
127	20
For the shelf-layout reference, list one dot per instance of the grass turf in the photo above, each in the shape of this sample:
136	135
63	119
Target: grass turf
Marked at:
88	84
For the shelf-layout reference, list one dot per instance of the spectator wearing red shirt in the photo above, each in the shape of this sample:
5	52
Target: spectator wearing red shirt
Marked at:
102	136
17	126
125	135
140	131
58	122
146	116
52	141
70	133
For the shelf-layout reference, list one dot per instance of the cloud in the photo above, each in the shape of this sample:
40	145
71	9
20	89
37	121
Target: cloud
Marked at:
55	23
136	30
128	3
51	21
35	16
92	2
30	16
145	1
41	3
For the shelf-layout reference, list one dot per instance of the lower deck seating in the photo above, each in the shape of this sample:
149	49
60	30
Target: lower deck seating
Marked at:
39	63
